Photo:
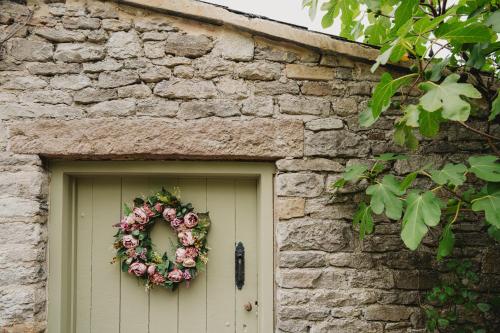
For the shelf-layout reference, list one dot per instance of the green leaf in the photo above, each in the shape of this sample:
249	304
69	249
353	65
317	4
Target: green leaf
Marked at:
483	307
485	167
427	24
407	181
366	117
452	174
429	123
404	12
387	87
494	21
377	33
422	210
438	68
494	233
403	135
411	115
391	157
495	107
443	323
447	96
489	202
384	196
354	172
461	32
363	218
446	243
126	209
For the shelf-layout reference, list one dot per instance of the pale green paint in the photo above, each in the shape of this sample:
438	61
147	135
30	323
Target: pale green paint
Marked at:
62	235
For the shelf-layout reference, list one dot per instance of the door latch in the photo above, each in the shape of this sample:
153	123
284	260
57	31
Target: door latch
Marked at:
239	260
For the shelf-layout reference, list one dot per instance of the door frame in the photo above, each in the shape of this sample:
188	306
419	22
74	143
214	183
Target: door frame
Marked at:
61	230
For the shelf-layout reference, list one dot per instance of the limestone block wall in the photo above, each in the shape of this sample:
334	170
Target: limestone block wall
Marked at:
93	80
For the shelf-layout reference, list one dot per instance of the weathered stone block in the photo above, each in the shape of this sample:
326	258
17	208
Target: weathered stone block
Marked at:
313	73
117	79
70	81
388	312
316	164
233	88
185	45
102	10
60	35
136	90
117	108
24	82
264	71
209	67
322	124
276	88
116	25
302	259
316	235
93	95
184	72
235	46
300	184
316	88
29	50
334	143
157	107
290	104
207	108
124	45
336	61
260	106
154	49
154	36
298	278
105	138
345	106
154	73
187	89
48	68
97	36
81	22
101	66
47	96
287	208
68	52
147	24
282	51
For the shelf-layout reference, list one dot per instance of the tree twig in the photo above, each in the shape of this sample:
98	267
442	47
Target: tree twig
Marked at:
486	135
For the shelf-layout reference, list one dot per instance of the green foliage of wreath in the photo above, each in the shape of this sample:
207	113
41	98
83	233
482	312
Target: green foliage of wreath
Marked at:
135	250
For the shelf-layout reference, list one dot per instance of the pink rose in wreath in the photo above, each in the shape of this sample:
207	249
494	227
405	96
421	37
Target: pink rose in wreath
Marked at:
191	252
176	223
140	215
169	214
180	255
186	238
159	207
129	241
157	278
191	220
147	209
187	275
189	262
137	268
175	275
151	269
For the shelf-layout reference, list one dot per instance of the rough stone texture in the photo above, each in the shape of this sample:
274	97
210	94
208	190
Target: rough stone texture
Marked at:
303	72
185	45
85	75
78	52
107	138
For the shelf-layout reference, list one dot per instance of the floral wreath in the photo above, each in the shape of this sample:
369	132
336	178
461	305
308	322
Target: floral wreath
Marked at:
135	248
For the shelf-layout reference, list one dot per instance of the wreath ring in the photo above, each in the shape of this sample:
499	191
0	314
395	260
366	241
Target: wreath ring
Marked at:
135	249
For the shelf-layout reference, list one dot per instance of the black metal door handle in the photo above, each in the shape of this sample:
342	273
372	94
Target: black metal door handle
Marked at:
239	261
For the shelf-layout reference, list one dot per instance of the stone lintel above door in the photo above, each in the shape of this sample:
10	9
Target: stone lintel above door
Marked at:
248	139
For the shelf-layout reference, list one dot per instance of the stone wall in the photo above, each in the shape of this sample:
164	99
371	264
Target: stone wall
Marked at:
90	81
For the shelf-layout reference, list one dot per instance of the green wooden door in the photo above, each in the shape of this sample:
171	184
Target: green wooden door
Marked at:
107	300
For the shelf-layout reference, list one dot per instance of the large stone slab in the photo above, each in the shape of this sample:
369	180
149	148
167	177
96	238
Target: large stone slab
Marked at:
256	139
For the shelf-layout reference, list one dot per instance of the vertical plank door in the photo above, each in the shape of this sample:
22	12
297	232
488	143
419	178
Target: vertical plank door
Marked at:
108	300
